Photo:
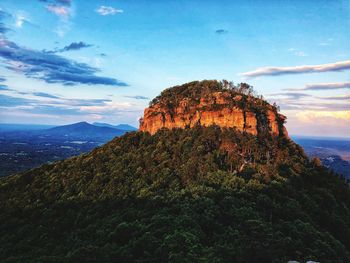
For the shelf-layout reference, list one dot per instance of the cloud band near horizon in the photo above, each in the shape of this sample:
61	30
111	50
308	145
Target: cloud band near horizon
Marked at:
324	86
277	71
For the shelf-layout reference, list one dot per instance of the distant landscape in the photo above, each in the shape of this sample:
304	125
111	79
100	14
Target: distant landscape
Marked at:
174	131
211	175
27	146
333	152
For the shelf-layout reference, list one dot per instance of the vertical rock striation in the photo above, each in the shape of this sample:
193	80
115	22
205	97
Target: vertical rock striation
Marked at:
206	107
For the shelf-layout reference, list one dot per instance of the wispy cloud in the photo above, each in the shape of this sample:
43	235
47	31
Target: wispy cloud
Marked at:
47	99
277	71
45	95
51	68
319	123
58	7
64	2
343	97
76	46
324	116
86	102
327	86
297	52
3	27
108	10
137	97
327	42
53	108
59	2
71	47
302	105
291	95
4	87
61	11
221	31
324	86
20	20
10	101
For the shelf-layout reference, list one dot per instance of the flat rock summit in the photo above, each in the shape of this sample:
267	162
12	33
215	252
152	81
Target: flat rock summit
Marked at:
211	102
211	176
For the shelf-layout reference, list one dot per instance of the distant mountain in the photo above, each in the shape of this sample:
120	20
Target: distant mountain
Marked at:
338	165
25	147
124	127
238	191
333	152
83	128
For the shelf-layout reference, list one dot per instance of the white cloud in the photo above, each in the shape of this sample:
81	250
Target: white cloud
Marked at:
310	116
108	10
276	71
319	123
297	52
20	19
300	54
327	42
58	10
64	11
325	86
339	98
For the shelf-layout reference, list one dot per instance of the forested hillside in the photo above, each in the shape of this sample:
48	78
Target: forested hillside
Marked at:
186	195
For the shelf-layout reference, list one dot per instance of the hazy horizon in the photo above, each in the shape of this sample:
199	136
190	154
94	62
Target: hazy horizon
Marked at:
66	61
311	136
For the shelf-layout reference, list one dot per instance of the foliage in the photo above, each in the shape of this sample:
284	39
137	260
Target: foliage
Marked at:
186	195
196	90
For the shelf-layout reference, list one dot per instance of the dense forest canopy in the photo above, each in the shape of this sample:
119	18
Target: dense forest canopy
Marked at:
187	195
202	194
196	90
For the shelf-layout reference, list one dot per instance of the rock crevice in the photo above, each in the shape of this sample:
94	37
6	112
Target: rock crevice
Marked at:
223	108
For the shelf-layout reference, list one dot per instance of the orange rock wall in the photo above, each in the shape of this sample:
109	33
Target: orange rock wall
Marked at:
206	114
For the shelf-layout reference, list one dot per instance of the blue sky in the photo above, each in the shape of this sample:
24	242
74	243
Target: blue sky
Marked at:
63	61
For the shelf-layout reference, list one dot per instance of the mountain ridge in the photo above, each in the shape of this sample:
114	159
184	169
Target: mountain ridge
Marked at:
192	194
82	127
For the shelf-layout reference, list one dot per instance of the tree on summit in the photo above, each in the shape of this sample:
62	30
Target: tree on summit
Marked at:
245	89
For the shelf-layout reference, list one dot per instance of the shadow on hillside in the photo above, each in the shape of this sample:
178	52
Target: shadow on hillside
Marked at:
295	220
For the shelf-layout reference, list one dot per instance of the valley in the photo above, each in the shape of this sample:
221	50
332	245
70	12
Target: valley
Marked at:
23	148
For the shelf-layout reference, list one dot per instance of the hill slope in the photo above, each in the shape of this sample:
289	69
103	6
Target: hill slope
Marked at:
200	194
30	147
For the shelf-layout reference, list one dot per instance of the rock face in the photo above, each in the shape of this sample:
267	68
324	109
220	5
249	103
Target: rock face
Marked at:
224	108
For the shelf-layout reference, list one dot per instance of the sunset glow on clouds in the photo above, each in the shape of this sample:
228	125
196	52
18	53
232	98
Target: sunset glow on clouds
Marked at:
323	116
320	123
64	61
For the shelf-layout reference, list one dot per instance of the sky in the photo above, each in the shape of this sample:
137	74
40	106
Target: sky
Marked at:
65	61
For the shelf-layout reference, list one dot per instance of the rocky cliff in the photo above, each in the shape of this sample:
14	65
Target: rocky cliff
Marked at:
209	103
